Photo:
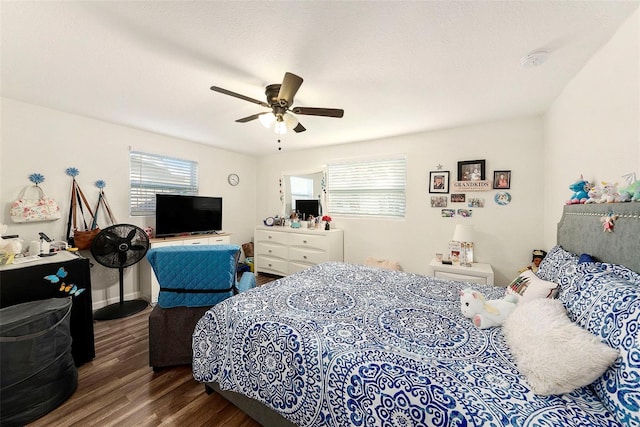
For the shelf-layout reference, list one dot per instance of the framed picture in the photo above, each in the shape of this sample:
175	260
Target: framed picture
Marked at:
471	170
439	182
502	180
438	201
457	197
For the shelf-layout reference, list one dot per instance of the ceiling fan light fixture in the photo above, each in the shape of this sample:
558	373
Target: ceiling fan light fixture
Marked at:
290	120
267	119
280	127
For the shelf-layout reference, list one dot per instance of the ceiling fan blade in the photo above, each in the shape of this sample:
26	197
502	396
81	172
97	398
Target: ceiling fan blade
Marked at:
290	85
237	95
326	112
299	128
252	117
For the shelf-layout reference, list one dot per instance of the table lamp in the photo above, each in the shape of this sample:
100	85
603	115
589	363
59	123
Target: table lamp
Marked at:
463	233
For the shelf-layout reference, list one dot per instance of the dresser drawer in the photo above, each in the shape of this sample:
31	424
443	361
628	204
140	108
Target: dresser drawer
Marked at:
271	250
272	265
271	237
309	256
309	241
200	241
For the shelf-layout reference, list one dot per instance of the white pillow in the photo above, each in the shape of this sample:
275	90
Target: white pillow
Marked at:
527	286
554	354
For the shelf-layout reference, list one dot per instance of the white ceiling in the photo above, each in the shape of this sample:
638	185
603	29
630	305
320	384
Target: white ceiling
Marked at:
395	67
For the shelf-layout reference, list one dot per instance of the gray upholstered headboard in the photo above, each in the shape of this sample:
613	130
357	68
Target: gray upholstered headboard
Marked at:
580	231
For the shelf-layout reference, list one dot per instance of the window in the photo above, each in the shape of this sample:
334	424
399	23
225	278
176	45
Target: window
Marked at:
374	188
301	188
150	174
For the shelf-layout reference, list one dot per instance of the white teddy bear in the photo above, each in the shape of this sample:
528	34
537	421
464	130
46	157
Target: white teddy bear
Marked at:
485	314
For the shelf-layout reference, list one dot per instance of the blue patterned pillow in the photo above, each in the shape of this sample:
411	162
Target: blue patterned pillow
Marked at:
605	300
558	266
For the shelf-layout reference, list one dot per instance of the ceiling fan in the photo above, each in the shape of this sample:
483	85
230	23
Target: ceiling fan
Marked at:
280	102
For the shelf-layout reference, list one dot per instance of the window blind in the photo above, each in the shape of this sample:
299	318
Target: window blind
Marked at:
374	188
150	174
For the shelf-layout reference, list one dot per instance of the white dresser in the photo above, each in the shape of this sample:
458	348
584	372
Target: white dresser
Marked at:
286	250
149	286
477	273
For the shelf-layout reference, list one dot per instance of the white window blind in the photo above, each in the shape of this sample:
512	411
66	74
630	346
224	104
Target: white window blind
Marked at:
367	188
150	174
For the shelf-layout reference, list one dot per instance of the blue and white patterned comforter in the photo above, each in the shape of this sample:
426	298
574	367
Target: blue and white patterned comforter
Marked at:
349	345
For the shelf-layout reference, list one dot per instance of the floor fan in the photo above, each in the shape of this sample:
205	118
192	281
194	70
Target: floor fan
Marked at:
120	246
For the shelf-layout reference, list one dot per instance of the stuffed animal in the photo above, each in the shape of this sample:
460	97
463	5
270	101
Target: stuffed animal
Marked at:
595	194
536	258
9	247
580	190
609	193
485	314
631	193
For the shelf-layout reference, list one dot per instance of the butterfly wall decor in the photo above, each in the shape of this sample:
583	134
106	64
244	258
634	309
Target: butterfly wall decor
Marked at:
71	289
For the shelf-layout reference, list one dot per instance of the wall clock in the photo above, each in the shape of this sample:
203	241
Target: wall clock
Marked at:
233	179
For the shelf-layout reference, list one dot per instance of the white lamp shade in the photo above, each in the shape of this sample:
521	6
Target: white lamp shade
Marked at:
280	127
267	119
290	120
463	233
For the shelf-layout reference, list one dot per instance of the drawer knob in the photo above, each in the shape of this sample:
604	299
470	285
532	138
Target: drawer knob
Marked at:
304	241
269	250
269	265
304	256
269	237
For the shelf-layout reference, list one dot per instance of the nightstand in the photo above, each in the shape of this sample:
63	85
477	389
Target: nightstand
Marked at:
477	273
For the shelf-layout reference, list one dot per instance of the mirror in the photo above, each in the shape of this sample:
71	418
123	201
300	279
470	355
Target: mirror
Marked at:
304	185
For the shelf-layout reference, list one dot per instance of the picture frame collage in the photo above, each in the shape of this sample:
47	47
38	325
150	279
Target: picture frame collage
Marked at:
471	178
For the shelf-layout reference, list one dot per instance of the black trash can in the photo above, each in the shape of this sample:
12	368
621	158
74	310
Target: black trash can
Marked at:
37	369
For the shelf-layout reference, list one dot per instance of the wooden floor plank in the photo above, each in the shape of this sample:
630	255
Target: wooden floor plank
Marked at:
119	388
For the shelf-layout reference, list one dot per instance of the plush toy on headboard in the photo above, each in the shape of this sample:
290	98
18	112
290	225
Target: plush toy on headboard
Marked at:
631	193
595	194
610	193
580	190
485	314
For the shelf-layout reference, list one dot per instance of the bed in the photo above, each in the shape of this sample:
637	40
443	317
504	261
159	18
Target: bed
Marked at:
350	345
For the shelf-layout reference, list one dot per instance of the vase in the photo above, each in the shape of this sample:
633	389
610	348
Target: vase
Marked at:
327	226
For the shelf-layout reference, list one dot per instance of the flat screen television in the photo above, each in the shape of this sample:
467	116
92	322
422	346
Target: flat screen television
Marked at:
307	207
179	214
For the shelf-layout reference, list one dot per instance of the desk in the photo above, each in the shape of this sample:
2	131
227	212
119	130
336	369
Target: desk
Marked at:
26	282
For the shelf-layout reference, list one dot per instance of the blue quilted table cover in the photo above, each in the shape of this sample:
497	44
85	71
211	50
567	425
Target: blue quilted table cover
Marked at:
194	276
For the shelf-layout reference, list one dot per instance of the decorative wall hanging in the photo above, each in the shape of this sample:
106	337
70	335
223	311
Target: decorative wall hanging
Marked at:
502	180
458	198
439	182
502	198
32	207
471	170
476	202
448	213
438	201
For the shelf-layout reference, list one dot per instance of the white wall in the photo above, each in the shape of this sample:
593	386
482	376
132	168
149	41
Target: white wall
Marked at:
36	139
593	127
506	235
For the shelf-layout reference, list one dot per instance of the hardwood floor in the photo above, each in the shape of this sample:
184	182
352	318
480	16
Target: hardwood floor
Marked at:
119	388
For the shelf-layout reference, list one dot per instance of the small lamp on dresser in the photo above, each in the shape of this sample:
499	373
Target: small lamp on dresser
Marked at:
463	233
